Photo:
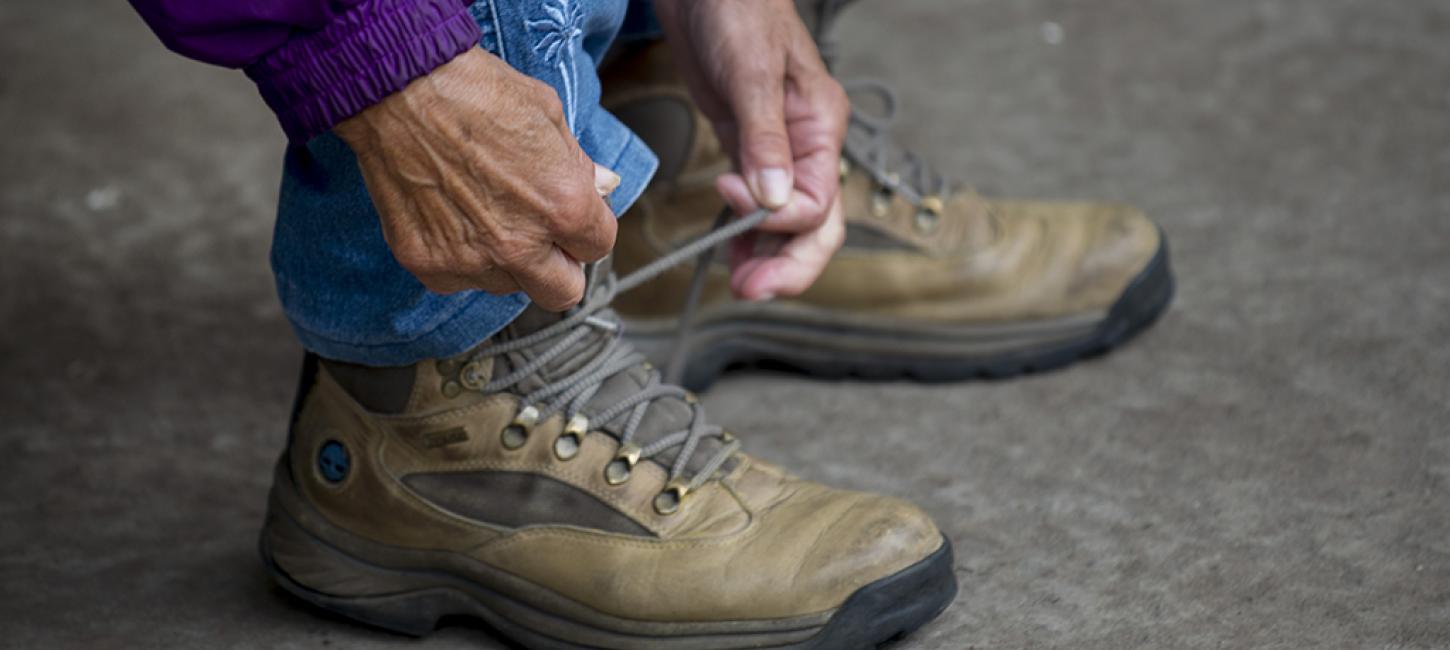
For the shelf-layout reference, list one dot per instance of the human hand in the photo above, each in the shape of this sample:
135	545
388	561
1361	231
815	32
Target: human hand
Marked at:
756	74
480	184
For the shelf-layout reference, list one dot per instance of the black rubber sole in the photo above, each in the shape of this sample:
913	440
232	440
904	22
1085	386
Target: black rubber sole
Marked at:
895	606
878	613
1145	299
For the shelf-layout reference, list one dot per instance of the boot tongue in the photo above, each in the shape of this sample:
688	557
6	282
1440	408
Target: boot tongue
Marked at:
532	319
535	318
663	417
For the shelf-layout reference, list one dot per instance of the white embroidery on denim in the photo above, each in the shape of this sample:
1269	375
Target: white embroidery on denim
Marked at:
502	51
560	27
482	13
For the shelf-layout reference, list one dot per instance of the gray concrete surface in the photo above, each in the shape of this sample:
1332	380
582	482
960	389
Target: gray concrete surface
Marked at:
1267	468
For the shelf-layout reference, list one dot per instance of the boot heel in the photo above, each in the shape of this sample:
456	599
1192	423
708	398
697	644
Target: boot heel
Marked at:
326	577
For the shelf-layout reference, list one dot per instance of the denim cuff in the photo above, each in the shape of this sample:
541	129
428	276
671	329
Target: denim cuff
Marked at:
372	50
475	316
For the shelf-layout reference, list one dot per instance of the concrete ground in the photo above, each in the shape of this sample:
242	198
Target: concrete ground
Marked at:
1267	467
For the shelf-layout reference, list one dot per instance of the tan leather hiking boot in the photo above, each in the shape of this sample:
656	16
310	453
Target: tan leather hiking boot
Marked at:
549	484
933	282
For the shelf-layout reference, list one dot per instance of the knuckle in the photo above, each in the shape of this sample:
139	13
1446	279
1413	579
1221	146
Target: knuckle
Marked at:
750	72
542	90
578	206
769	134
576	200
514	254
769	146
549	103
609	232
553	109
597	248
469	261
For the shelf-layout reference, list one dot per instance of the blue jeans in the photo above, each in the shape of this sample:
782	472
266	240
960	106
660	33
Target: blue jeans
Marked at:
344	293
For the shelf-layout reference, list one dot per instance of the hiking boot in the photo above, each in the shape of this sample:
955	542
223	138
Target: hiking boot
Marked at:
551	485
933	282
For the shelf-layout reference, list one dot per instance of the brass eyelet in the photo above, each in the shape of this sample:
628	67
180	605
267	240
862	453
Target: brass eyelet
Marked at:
451	388
928	214
927	221
516	434
668	501
618	470
567	445
881	202
933	204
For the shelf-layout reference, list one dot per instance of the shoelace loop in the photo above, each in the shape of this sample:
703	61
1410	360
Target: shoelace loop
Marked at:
571	393
910	176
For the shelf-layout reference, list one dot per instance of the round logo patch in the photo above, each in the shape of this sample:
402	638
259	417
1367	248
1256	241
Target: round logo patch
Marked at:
332	461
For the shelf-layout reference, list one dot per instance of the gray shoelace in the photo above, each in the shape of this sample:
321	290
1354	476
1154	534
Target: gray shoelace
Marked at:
891	166
871	146
571	393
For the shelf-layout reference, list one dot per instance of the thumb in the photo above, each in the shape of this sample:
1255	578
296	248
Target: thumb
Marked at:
605	180
765	157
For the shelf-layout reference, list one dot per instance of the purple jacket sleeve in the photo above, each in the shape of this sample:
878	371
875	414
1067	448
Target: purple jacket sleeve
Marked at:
317	62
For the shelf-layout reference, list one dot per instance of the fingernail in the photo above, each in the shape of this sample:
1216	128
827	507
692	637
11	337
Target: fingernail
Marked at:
774	185
605	180
768	277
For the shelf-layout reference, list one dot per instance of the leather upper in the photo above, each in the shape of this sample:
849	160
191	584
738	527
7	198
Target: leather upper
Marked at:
758	543
970	261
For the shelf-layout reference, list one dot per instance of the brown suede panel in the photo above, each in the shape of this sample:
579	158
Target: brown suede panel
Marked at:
871	239
483	451
516	500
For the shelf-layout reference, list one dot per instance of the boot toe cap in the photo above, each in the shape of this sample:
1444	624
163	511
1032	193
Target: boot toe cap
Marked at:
873	538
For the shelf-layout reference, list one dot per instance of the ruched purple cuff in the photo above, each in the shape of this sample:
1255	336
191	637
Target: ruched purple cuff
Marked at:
372	49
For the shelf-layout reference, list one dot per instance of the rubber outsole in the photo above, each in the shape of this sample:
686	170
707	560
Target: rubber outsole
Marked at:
1142	302
878	613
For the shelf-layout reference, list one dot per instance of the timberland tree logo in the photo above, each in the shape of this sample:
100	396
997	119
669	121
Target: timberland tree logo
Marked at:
333	461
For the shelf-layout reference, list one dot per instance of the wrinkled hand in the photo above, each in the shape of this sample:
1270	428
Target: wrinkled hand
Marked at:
756	74
481	185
